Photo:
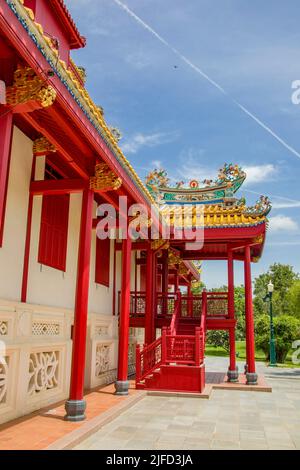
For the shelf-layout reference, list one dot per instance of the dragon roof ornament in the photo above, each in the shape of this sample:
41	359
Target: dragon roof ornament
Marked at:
229	180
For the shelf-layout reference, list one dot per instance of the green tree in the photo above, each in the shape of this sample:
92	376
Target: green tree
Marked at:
239	303
294	298
197	287
218	339
286	330
282	276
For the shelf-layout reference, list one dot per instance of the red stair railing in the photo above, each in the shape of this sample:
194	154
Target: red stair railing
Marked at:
148	359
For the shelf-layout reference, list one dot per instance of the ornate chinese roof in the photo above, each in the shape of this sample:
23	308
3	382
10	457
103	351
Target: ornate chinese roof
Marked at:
228	181
216	197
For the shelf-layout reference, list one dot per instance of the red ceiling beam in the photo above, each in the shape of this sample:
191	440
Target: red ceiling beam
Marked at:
55	187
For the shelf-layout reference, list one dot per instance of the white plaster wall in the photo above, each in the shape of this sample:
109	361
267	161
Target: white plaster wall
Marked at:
12	250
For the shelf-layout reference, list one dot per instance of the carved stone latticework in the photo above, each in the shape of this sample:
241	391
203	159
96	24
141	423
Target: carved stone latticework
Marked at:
28	87
43	371
45	329
42	146
3	328
102	359
105	179
101	330
3	378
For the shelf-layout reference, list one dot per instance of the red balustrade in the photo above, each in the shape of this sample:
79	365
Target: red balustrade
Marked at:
148	359
165	304
217	304
191	306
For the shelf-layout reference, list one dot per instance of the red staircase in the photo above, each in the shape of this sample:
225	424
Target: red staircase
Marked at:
175	361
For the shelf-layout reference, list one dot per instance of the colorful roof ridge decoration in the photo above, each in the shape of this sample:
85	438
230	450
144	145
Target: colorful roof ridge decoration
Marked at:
215	216
228	181
76	89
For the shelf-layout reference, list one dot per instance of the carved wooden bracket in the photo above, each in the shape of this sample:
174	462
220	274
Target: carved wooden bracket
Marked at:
29	92
42	146
105	179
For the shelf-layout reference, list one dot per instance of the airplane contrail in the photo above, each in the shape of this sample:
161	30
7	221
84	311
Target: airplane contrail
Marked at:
206	77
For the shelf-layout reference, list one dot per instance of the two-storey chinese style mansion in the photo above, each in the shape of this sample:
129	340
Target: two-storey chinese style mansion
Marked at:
78	311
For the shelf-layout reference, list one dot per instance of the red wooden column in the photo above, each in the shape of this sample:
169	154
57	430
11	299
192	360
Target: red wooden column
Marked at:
149	320
190	302
232	372
165	280
75	406
176	282
250	342
122	383
6	126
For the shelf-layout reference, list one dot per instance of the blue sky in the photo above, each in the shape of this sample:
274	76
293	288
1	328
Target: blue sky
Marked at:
170	116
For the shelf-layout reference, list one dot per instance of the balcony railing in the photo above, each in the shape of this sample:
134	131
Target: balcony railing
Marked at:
164	305
191	306
217	304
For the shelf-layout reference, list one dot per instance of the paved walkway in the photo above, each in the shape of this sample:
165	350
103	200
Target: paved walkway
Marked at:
230	419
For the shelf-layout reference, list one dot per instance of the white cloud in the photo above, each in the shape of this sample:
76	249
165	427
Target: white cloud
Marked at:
138	141
260	173
283	223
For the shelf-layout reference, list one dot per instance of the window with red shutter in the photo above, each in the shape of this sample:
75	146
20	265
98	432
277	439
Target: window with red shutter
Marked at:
54	231
102	262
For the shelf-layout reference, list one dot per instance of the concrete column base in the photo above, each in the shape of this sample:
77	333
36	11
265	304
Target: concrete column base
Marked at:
75	410
251	378
122	387
233	375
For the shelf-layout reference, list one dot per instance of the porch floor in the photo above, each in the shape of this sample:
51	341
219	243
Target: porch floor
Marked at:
43	428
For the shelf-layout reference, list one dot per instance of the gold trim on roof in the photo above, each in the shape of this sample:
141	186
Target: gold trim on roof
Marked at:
211	216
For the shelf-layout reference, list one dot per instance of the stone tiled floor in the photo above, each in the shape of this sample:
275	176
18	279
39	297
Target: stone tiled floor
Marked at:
228	420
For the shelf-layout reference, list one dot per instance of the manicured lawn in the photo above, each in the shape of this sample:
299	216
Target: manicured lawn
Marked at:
241	354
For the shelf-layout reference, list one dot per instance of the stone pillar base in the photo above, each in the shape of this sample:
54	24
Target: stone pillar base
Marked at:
233	375
121	387
251	378
75	410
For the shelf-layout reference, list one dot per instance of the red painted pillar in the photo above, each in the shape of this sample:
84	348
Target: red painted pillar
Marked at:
28	239
6	126
75	406
250	342
165	272
176	283
232	372
149	320
190	300
122	384
165	281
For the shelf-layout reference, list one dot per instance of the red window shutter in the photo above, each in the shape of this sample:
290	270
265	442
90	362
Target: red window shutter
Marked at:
54	231
102	262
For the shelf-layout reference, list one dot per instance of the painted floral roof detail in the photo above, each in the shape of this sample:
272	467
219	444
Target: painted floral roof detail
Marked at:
217	195
229	180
